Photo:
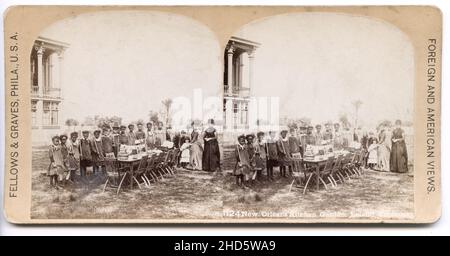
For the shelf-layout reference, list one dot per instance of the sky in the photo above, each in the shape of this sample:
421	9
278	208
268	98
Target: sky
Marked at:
318	63
126	63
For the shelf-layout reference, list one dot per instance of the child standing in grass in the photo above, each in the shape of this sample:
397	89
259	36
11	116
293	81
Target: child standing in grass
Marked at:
74	155
260	155
372	160
185	152
56	168
243	166
272	154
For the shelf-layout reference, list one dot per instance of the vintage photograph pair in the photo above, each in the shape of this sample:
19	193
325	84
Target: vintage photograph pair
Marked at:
222	114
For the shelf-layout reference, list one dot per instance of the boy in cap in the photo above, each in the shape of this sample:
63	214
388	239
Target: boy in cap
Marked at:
319	135
283	152
294	146
85	153
328	134
74	155
140	133
115	138
250	138
150	136
123	137
310	139
272	154
260	154
64	149
97	151
108	149
107	142
131	135
338	140
65	152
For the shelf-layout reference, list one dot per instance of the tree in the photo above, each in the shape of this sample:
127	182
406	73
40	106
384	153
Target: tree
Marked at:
71	122
357	105
343	119
386	123
167	105
89	121
153	117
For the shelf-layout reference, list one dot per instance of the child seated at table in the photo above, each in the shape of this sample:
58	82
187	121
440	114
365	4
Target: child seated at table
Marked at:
185	152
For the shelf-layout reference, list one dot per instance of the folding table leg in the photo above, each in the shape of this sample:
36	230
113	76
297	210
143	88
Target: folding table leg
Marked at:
323	182
292	183
139	185
331	181
341	177
148	181
104	186
120	184
307	183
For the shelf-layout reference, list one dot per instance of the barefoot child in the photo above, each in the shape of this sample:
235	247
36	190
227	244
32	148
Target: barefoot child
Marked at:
56	168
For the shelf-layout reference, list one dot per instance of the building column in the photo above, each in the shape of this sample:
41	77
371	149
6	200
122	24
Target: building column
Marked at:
40	74
60	72
229	114
59	87
251	57
230	70
40	67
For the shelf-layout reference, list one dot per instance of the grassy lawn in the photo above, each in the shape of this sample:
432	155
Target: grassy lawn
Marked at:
201	195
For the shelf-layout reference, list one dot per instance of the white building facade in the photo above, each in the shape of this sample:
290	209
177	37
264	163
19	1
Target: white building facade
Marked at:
238	81
46	63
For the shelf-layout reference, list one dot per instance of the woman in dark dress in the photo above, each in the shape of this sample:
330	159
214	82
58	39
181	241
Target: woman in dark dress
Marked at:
399	156
211	153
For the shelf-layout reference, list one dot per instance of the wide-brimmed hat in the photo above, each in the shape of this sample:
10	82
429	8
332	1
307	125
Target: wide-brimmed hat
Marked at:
242	136
250	136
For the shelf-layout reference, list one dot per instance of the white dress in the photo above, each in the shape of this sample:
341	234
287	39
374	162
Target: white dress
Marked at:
373	154
185	153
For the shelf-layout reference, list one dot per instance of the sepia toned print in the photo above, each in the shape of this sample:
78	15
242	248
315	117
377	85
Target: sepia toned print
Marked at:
285	115
335	144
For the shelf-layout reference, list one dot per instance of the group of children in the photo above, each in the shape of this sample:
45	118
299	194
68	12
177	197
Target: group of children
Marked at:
264	153
267	151
94	150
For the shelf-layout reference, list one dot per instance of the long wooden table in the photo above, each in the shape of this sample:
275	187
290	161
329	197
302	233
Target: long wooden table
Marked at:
316	164
128	163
